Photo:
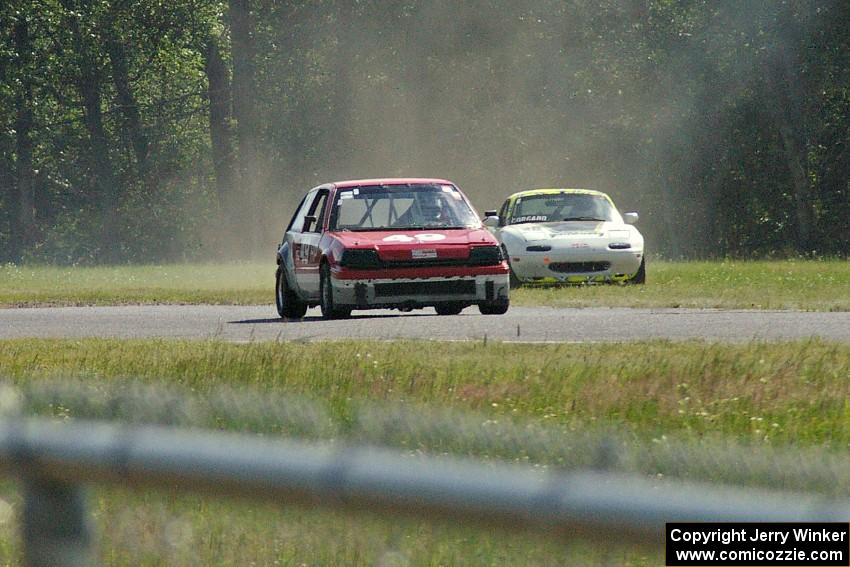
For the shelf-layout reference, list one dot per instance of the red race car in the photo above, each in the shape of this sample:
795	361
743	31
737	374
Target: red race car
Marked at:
388	243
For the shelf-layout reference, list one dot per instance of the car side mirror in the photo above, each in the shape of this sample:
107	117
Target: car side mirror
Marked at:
630	218
309	220
491	221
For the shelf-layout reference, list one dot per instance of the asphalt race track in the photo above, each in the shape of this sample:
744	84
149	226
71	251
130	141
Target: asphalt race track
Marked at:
527	324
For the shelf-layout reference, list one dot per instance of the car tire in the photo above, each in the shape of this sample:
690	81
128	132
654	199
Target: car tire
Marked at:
287	302
449	308
497	307
640	277
326	296
515	282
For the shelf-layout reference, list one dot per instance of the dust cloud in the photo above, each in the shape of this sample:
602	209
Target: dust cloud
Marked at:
625	97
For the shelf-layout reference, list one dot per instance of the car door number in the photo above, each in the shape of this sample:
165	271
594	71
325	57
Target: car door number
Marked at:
304	252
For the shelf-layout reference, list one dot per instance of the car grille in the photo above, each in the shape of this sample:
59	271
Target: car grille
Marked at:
445	287
582	267
424	262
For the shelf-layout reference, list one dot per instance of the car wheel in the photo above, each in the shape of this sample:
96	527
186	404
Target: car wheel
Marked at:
288	304
326	294
514	281
449	308
640	276
497	307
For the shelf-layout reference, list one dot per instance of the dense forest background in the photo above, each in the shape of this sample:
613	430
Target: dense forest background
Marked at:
165	130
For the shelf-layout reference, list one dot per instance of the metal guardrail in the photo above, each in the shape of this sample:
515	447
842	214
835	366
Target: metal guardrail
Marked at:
406	426
55	459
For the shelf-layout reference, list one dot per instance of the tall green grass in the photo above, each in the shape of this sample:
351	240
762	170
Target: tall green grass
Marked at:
760	393
819	285
792	392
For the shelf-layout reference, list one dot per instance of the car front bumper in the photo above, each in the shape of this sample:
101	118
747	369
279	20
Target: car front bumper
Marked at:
419	292
600	265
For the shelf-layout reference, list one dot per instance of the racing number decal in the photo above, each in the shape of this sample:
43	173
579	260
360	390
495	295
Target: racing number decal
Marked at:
303	253
430	237
420	237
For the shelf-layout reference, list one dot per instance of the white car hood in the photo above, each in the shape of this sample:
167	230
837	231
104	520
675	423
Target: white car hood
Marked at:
545	231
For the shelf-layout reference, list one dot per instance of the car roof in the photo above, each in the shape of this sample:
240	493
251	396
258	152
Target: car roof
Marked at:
390	181
528	192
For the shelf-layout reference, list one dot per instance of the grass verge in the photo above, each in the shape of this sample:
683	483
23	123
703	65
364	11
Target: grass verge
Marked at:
237	284
793	392
808	285
817	285
761	393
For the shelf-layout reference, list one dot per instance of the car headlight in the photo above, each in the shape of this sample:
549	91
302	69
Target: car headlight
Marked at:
360	258
485	255
619	240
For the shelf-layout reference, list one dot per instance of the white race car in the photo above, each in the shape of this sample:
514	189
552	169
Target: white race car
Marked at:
568	236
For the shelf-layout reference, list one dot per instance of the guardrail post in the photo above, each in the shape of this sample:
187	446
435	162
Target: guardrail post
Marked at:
56	526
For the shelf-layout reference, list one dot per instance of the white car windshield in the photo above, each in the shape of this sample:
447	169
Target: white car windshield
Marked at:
401	207
562	207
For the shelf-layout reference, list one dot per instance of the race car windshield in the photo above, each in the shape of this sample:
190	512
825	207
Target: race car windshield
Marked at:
562	207
401	207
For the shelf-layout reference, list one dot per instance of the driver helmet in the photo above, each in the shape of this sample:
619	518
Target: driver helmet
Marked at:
433	207
584	207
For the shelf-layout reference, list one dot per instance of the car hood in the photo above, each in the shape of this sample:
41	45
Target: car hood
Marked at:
545	231
398	244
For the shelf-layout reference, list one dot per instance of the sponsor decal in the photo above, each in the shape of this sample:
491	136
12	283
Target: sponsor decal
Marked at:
531	218
419	253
